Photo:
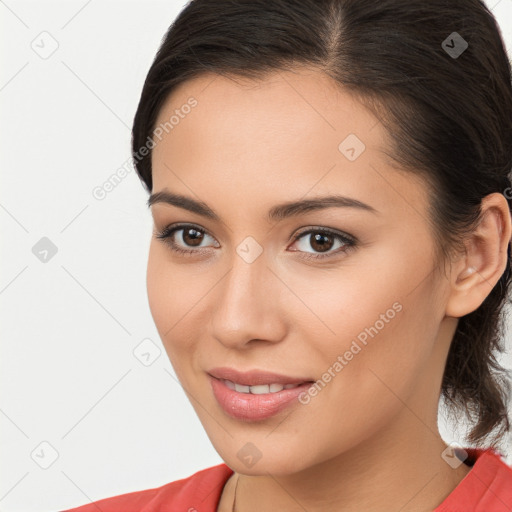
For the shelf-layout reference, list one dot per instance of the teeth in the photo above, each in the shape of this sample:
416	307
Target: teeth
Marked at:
259	389
229	384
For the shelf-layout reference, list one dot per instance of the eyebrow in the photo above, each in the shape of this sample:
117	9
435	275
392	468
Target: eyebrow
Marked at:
278	212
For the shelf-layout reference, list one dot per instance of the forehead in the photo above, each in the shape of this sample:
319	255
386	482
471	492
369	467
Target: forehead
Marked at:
303	100
290	134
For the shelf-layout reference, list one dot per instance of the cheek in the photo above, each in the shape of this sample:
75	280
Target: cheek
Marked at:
176	297
158	288
165	296
376	336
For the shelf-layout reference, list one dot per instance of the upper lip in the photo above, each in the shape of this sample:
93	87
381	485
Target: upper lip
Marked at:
255	377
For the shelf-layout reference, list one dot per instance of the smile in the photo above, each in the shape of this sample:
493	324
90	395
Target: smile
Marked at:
259	389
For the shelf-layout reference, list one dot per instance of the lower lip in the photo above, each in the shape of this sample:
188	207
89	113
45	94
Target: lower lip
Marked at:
249	407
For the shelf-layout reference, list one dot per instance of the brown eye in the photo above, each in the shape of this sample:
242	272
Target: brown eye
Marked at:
191	236
322	241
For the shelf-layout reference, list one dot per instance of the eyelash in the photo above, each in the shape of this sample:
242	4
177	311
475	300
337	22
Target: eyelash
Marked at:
349	242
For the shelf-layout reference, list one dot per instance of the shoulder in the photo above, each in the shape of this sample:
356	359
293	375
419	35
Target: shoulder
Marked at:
200	491
486	488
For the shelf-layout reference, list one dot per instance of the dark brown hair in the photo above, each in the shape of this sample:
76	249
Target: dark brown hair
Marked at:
449	116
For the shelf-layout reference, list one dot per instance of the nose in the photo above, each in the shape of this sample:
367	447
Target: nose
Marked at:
247	305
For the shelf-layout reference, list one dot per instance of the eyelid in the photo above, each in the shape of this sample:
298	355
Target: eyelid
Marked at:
172	228
324	229
349	241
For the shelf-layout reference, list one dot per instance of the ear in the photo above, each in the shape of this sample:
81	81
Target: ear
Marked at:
475	274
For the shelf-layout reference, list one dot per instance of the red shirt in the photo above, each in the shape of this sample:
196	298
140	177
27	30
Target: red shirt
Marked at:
486	488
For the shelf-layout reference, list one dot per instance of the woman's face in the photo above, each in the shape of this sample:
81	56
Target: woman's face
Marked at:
366	320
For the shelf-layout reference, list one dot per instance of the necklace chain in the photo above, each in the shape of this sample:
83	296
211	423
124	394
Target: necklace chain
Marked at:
234	496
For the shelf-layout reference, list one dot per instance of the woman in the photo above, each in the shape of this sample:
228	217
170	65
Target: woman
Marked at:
330	192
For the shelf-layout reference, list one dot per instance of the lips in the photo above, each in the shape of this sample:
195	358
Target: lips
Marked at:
255	377
255	407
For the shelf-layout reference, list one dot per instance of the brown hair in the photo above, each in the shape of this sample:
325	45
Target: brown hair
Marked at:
447	109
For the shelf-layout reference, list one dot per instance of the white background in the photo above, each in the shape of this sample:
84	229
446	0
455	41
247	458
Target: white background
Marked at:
68	374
